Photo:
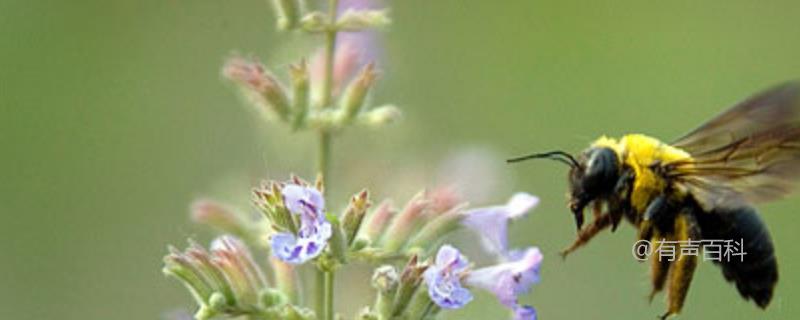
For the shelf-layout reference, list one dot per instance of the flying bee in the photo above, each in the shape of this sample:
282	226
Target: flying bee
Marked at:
699	187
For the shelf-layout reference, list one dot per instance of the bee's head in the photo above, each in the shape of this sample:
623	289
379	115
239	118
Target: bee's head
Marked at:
593	175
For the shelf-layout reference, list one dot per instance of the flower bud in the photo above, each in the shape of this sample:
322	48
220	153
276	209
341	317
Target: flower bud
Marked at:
405	222
410	280
224	281
437	228
200	258
259	85
358	20
269	198
354	215
177	265
377	221
379	116
385	280
233	258
217	301
352	52
443	199
314	22
355	94
288	13
275	95
270	297
299	75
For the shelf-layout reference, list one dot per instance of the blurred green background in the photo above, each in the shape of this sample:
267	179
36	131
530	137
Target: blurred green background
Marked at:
113	118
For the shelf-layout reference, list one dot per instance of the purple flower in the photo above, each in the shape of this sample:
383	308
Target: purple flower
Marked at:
492	222
524	313
509	279
314	231
307	202
443	279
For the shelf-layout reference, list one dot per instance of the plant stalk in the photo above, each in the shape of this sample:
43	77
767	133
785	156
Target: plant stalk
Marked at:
325	278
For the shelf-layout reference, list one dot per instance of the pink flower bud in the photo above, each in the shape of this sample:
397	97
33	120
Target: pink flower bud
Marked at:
378	220
259	83
404	223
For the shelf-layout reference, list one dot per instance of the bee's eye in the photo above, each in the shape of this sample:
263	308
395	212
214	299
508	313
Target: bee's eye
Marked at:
601	172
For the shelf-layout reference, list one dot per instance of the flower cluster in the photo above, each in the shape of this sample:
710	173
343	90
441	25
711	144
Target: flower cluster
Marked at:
514	275
301	228
308	207
298	228
506	280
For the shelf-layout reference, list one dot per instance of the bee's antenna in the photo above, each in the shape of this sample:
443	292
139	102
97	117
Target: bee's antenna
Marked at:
557	155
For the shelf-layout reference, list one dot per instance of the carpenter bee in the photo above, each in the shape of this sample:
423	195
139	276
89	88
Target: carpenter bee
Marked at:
699	187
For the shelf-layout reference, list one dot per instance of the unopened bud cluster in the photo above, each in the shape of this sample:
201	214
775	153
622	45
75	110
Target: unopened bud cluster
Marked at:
295	103
226	281
416	228
292	104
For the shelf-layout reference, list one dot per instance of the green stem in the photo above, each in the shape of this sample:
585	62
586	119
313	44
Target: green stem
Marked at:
319	308
324	158
325	278
330	53
329	312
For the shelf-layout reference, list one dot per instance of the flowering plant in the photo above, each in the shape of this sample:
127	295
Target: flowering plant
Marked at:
298	231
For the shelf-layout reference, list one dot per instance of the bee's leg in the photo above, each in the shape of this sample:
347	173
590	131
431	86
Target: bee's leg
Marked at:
586	234
597	209
623	191
682	269
658	270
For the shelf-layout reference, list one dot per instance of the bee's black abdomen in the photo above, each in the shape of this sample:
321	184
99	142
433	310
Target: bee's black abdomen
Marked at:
756	276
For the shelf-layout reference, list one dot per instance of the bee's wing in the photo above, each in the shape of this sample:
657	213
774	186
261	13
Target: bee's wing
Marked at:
749	153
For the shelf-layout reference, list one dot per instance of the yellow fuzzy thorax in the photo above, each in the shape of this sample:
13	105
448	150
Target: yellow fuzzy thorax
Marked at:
639	151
